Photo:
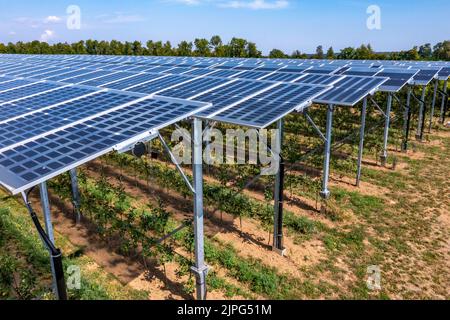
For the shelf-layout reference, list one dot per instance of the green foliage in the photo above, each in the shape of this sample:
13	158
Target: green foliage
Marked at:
237	47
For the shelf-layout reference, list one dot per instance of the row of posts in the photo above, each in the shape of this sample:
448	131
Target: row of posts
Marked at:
200	269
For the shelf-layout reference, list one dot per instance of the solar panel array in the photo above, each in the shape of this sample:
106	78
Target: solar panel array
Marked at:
58	112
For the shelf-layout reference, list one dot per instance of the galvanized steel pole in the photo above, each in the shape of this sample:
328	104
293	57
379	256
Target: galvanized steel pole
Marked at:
325	193
361	141
278	193
200	269
386	130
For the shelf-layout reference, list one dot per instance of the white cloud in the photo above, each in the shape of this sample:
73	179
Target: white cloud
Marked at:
256	4
12	33
47	35
52	19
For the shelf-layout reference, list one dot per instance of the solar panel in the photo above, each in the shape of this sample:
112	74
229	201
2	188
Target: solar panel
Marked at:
398	78
425	76
360	71
193	88
225	73
13	83
283	77
350	90
255	75
25	91
64	75
41	101
89	76
133	81
326	69
271	105
319	79
112	77
444	74
46	155
160	84
231	93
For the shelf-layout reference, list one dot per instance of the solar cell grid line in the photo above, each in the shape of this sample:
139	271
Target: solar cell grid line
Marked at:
283	77
328	69
62	117
231	94
355	89
271	105
193	88
23	69
15	83
398	78
45	100
45	76
63	150
159	69
80	79
9	67
444	74
26	91
62	77
294	69
40	73
319	79
160	84
134	81
225	73
253	75
199	72
111	76
359	71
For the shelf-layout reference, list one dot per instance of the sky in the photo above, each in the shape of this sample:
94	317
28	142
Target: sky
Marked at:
288	25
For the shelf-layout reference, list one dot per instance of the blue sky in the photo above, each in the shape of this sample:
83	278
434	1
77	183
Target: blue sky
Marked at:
283	24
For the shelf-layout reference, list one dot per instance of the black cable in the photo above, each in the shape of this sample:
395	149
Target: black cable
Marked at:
55	253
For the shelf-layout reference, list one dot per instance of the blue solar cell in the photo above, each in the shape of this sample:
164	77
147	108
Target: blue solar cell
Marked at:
192	88
24	128
350	90
251	75
108	78
133	81
319	79
271	105
48	155
283	77
85	77
229	94
225	73
13	84
22	92
63	76
198	72
159	84
39	101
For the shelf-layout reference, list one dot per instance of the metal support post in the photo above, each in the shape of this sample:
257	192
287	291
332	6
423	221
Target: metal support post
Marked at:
75	195
325	193
59	286
200	269
433	104
444	102
421	119
361	141
407	121
278	194
386	130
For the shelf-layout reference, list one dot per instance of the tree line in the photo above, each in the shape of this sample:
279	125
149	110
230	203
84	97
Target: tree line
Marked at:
215	47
